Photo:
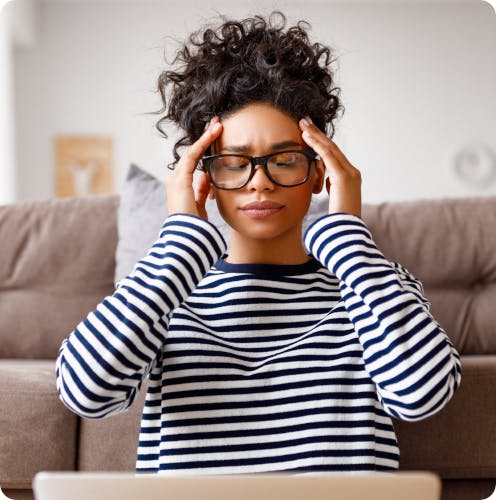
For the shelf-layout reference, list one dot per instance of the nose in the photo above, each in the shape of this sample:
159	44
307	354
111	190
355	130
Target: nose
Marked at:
260	181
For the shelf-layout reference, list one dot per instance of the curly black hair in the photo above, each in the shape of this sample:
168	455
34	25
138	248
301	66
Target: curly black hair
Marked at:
241	62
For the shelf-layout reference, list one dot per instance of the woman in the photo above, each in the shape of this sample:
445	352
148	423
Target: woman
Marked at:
264	357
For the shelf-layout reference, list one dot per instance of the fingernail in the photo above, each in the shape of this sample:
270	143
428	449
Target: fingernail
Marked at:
309	120
305	122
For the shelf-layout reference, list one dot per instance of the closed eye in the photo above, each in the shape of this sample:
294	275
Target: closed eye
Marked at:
235	167
286	163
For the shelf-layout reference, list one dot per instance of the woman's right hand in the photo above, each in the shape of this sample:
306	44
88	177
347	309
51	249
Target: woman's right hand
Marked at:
181	197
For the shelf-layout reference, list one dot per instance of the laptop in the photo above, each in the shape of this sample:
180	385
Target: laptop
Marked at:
266	486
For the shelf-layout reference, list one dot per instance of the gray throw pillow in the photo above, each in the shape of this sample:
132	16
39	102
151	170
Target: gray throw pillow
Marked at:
143	210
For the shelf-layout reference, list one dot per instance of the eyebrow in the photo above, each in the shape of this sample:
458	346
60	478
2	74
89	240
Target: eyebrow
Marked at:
277	145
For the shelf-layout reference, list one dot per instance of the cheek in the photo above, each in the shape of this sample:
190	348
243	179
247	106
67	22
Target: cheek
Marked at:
223	203
297	203
306	200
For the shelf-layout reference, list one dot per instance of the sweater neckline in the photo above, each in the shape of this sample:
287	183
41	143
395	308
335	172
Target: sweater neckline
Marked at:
269	269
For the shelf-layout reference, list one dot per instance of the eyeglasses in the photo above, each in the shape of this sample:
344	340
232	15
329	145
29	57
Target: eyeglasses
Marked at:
284	168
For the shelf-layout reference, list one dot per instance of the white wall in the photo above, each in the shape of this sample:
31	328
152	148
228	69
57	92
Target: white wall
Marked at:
17	28
417	81
8	187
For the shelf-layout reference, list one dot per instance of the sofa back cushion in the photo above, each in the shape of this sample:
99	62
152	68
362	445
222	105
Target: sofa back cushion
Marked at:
450	245
57	263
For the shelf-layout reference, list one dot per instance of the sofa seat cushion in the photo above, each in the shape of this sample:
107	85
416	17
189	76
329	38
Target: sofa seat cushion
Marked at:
111	443
37	431
460	441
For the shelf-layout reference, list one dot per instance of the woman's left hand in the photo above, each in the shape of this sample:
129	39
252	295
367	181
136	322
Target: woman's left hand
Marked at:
344	183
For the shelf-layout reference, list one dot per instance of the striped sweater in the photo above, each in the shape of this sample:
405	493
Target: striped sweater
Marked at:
262	368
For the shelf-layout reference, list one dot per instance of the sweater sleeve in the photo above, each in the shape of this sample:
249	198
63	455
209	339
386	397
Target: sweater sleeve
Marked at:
101	365
409	357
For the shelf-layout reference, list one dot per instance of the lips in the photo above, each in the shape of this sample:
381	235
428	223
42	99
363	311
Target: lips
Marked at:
262	205
261	209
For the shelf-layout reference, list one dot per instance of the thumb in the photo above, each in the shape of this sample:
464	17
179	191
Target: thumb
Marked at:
201	192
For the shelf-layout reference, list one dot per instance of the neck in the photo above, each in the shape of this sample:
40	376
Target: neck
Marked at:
286	249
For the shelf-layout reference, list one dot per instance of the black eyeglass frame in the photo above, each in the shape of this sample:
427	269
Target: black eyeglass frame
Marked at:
259	160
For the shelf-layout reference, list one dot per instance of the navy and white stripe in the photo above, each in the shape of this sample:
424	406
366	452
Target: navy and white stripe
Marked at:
262	368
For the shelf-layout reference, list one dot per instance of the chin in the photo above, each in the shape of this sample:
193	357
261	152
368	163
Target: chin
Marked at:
262	229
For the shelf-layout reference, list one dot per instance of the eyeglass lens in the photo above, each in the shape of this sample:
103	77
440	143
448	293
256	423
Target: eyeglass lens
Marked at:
287	169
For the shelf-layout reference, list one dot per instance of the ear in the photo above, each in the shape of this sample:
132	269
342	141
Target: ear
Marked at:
319	176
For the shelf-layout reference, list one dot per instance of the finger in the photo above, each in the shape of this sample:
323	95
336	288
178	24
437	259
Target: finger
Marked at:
192	156
313	132
197	149
330	161
341	156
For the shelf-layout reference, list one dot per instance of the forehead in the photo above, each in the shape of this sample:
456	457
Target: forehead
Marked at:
258	126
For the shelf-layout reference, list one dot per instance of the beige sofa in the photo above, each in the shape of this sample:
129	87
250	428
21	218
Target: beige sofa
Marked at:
57	261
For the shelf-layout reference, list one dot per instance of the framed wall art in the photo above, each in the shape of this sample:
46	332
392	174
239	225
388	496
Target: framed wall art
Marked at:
83	165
